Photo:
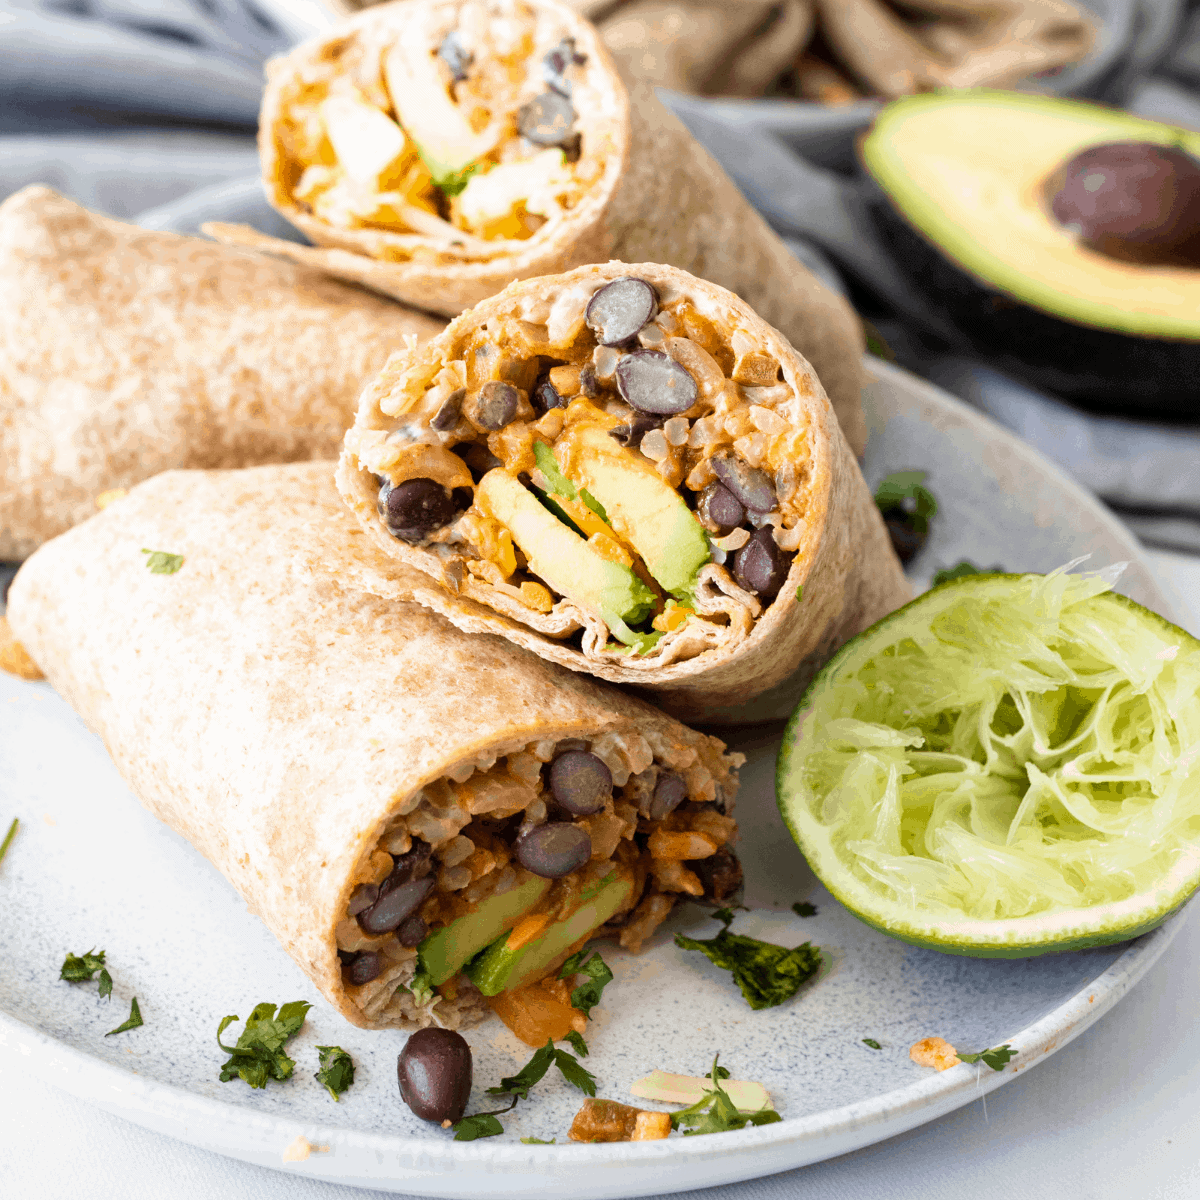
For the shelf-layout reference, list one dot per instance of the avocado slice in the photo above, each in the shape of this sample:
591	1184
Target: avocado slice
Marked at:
642	507
499	969
444	951
963	181
562	558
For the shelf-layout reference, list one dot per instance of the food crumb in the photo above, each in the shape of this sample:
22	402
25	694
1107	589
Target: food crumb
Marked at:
14	658
447	1123
934	1052
301	1148
49	819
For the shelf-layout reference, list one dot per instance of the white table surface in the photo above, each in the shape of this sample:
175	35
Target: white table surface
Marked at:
1114	1115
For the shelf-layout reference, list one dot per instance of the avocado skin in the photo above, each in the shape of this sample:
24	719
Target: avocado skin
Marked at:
1097	368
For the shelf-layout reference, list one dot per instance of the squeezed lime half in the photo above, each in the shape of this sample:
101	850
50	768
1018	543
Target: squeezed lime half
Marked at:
1007	766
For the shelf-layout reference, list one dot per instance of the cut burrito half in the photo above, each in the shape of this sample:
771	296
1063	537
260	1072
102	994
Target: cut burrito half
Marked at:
429	822
639	477
437	149
124	352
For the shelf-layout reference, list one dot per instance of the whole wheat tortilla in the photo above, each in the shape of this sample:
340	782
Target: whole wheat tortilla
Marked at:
269	713
124	352
845	564
662	198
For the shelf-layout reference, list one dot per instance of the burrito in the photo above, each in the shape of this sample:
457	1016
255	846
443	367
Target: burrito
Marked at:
124	352
430	823
435	150
638	477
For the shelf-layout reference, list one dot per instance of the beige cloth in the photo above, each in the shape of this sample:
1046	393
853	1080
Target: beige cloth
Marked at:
124	352
759	666
270	714
661	198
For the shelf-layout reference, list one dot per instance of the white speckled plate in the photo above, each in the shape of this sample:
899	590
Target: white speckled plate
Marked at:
90	869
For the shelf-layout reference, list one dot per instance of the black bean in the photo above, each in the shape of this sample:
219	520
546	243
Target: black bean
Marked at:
617	311
455	55
546	396
907	539
365	966
479	459
434	1071
581	783
363	897
547	119
557	60
395	906
347	956
669	793
447	416
416	507
495	405
631	432
748	484
719	510
653	382
760	566
412	932
554	849
720	874
414	863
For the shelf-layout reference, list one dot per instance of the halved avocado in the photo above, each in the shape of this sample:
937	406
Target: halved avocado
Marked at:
964	200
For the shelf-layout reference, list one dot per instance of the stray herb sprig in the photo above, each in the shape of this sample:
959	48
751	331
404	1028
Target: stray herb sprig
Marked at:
996	1058
903	492
872	1043
717	1113
81	968
802	908
162	562
587	995
131	1022
8	838
336	1070
259	1054
961	569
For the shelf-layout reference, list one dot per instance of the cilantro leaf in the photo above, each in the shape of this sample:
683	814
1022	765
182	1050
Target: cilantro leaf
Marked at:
8	838
766	973
531	1073
162	562
81	968
902	492
872	1043
418	987
481	1126
532	1141
259	1054
131	1022
803	909
716	1112
574	1072
576	1040
996	1058
587	995
556	481
336	1070
960	569
453	183
800	593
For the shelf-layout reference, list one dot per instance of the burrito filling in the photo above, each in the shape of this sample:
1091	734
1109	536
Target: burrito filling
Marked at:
604	458
484	882
463	127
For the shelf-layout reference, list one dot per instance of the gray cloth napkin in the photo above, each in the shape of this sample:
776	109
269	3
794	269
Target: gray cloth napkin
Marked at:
145	109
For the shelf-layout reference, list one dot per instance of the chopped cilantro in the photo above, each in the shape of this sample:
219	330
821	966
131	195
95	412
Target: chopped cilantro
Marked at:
259	1054
336	1070
131	1022
453	183
800	593
480	1126
960	569
717	1113
162	562
532	1141
802	908
587	995
576	1040
81	969
722	1072
767	974
8	838
903	493
418	987
872	1043
996	1058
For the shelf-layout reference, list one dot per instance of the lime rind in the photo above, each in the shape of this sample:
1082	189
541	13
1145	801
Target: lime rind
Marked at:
1006	766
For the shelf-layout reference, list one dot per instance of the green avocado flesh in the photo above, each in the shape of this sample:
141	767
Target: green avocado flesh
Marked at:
444	951
967	170
645	509
1004	767
560	556
499	969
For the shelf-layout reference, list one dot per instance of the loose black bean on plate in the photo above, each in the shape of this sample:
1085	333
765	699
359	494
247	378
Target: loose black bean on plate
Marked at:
749	485
363	967
455	55
580	782
618	311
554	849
547	119
760	566
494	405
434	1071
416	508
719	510
653	382
669	793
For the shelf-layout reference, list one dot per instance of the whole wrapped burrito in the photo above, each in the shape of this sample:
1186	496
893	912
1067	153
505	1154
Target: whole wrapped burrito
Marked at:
124	352
391	796
437	149
638	477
